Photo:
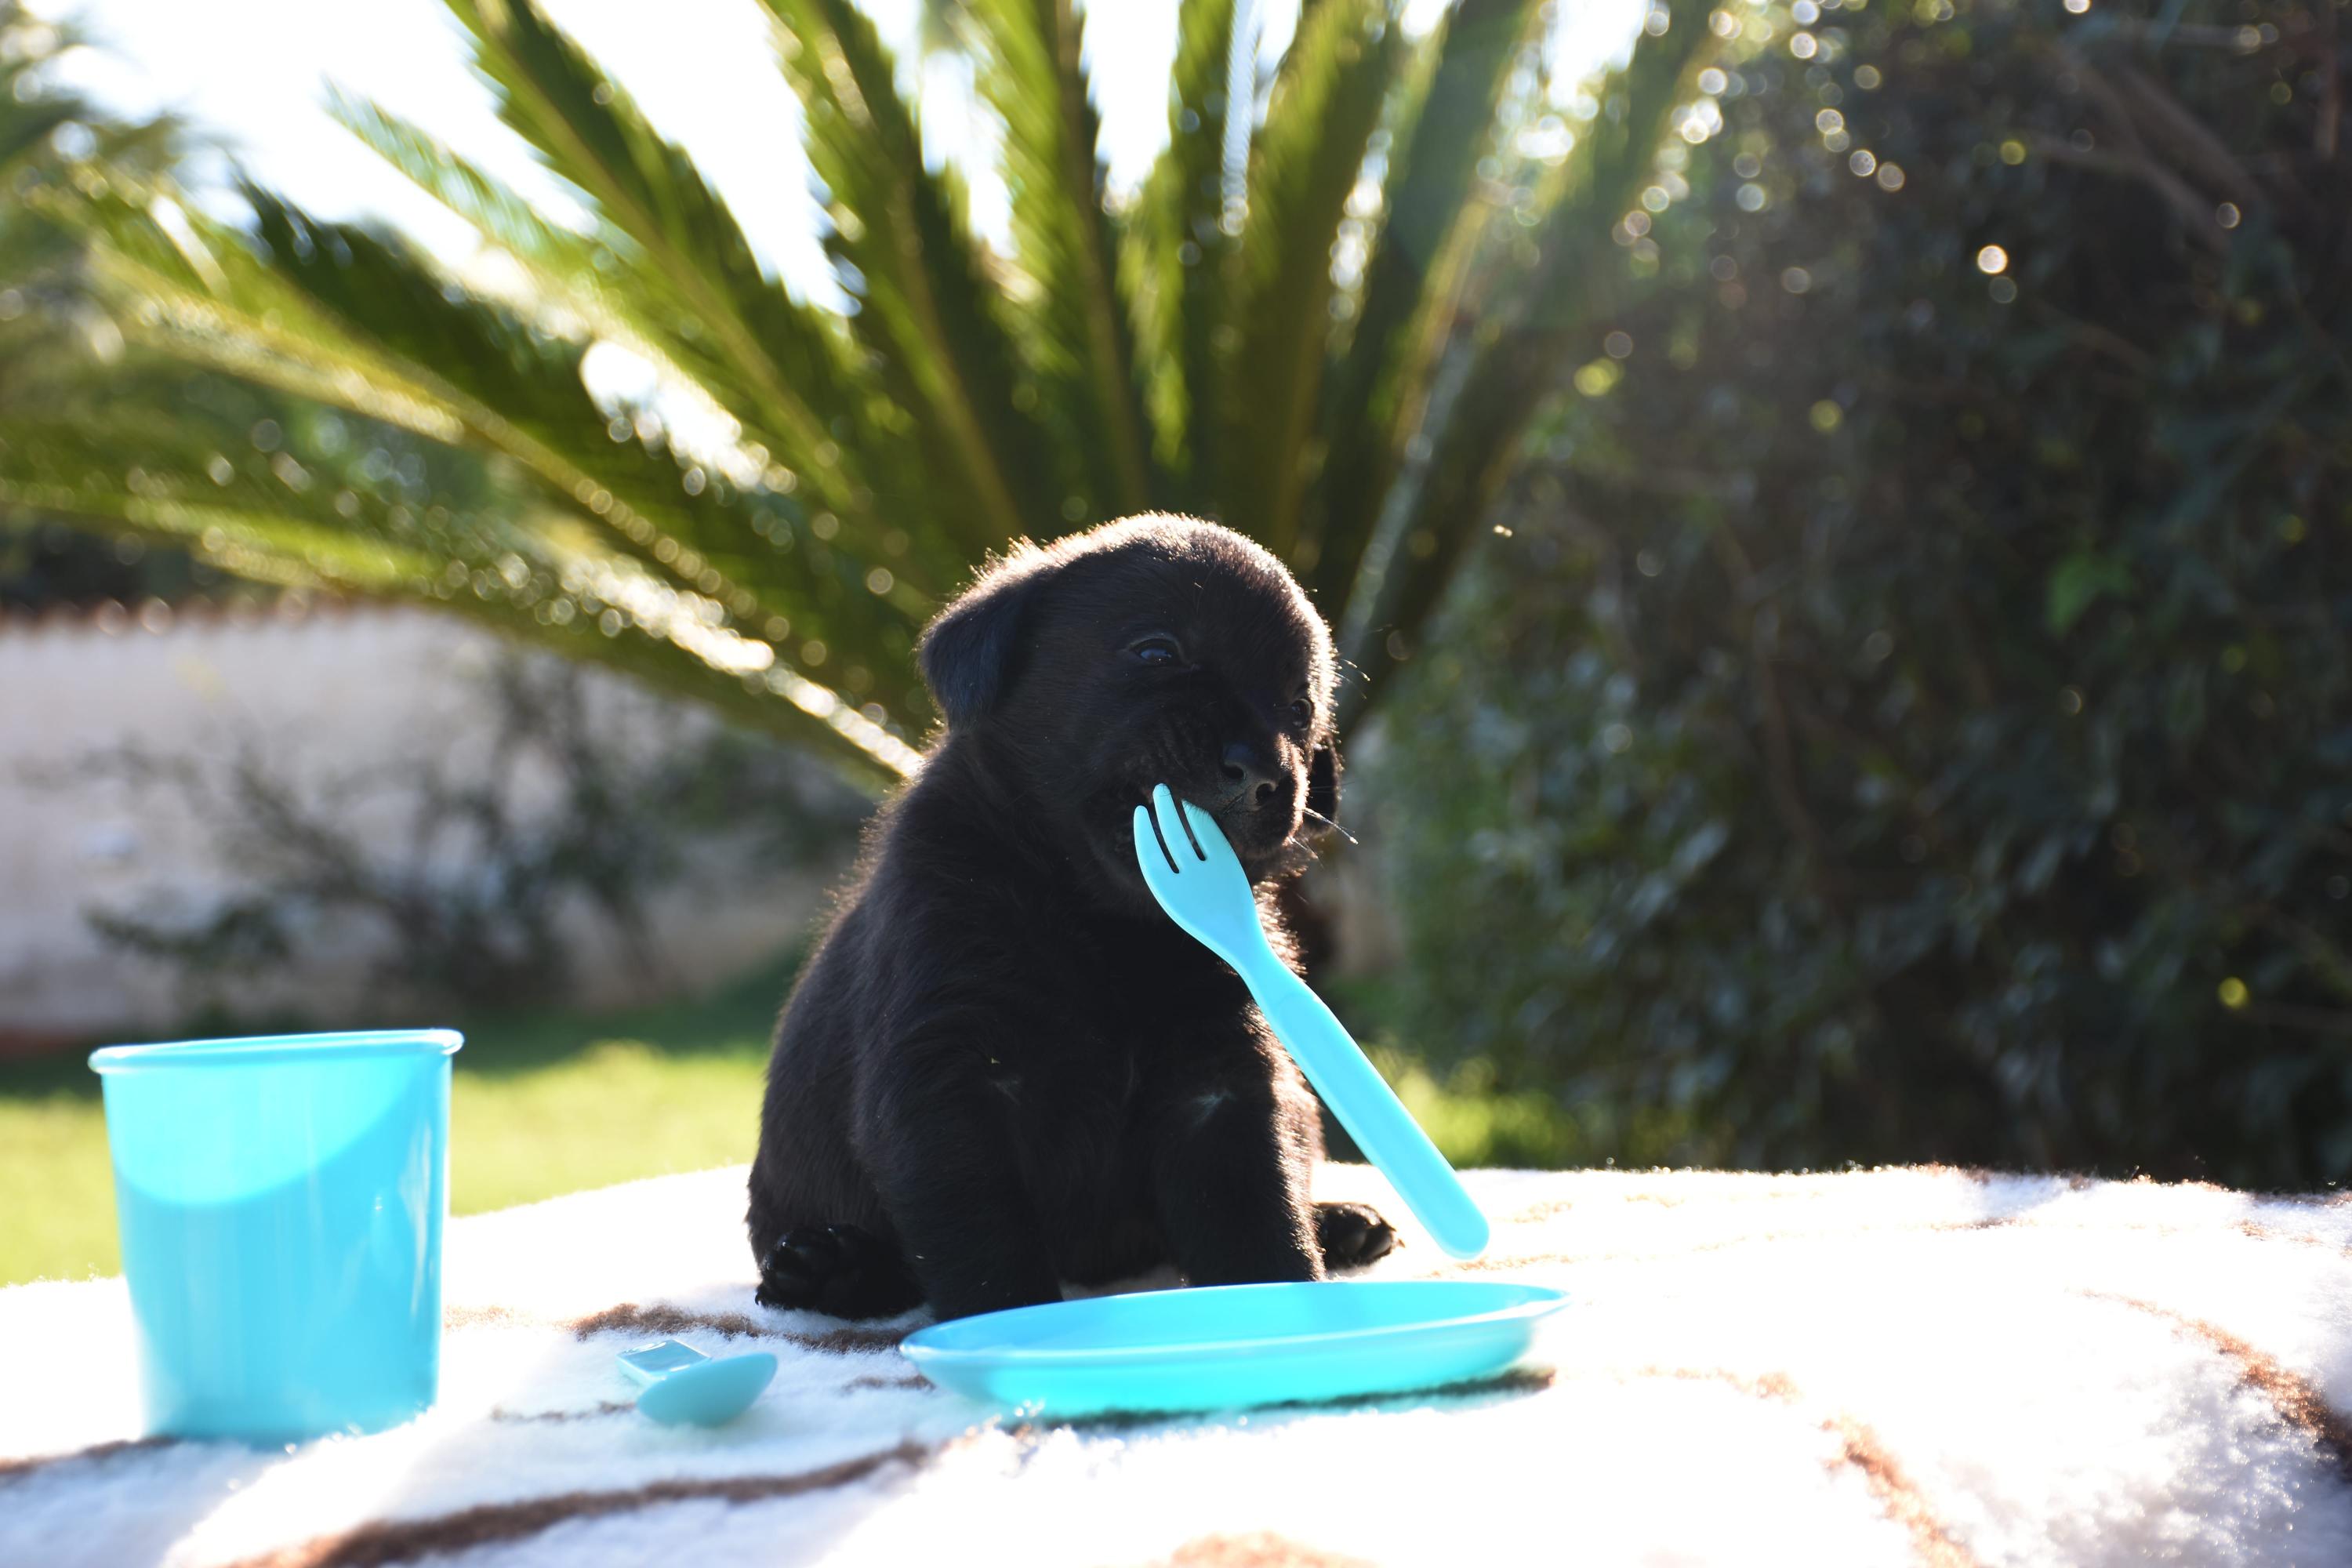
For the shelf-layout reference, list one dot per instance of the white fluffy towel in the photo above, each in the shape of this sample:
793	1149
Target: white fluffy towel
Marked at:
1915	1366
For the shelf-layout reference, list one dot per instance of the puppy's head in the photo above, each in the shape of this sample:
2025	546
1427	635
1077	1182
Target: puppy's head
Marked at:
1158	649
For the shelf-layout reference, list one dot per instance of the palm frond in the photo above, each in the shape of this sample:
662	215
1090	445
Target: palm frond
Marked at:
1078	341
574	261
194	286
346	317
1412	284
1525	355
29	118
1177	263
26	130
604	280
1182	350
781	367
928	310
269	520
518	388
1328	96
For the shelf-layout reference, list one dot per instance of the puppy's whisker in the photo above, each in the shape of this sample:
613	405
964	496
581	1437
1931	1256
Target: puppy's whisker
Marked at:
1314	816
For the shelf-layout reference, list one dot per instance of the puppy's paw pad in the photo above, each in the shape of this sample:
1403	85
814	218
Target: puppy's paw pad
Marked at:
1352	1235
836	1269
796	1269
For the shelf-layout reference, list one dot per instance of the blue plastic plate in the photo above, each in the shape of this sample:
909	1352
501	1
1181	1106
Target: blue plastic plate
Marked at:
1225	1346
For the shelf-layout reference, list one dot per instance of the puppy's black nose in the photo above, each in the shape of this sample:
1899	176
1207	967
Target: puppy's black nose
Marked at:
1251	776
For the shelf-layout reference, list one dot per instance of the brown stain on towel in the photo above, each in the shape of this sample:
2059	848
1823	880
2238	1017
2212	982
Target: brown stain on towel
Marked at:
1501	1386
630	1318
1774	1386
18	1469
1899	1497
912	1381
2298	1402
492	1524
1258	1548
489	1317
1897	1494
523	1417
2255	1230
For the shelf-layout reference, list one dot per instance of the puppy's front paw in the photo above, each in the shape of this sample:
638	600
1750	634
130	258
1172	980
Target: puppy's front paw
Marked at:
1352	1235
839	1271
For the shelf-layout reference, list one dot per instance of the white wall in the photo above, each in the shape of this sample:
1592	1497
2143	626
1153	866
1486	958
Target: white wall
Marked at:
323	691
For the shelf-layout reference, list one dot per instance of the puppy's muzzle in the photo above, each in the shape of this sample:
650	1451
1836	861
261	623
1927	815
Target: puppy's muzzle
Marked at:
1251	796
1248	780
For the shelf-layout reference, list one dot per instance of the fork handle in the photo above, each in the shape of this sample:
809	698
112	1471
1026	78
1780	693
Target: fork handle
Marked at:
1368	1107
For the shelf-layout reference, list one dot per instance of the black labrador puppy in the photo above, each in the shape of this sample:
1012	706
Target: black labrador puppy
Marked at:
1005	1067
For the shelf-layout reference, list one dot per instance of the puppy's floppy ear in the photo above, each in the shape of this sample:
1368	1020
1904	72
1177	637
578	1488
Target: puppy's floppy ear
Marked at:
969	651
1323	783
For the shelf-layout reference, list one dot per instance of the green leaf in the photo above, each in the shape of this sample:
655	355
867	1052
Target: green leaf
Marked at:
1178	263
503	573
1412	284
563	257
1070	320
349	319
2075	584
780	366
604	280
1523	353
932	319
1326	99
1181	351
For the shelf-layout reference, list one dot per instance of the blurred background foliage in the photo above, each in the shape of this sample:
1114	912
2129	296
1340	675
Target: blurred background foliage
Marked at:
1909	715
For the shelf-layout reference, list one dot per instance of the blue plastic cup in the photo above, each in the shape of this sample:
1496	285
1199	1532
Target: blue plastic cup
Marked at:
281	1201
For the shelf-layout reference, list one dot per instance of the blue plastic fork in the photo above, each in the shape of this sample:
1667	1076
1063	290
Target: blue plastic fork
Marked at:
1197	878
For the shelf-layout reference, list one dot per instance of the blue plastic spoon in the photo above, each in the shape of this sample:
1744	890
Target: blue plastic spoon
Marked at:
683	1387
1197	878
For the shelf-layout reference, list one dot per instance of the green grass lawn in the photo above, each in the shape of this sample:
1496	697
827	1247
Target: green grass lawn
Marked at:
554	1102
542	1103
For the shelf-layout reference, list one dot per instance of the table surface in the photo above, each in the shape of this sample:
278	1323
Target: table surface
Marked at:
1923	1366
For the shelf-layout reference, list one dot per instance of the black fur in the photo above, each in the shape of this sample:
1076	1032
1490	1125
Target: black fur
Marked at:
1005	1067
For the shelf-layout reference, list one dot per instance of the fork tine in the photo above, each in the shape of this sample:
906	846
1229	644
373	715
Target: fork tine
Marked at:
1146	832
1166	808
1185	813
1210	844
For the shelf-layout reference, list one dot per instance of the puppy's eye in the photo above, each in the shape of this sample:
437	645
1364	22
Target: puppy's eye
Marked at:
1157	650
1302	711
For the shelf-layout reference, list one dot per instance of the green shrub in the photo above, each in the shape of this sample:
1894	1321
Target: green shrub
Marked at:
1912	716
